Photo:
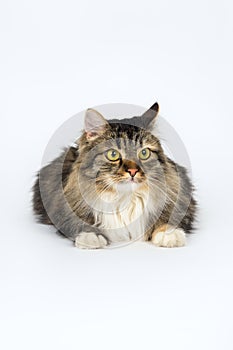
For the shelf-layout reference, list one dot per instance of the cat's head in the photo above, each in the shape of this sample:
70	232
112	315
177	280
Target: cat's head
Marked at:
120	153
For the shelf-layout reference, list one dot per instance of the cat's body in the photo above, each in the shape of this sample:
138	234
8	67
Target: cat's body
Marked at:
116	185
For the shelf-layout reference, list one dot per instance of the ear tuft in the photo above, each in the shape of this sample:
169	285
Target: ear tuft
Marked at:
94	123
149	117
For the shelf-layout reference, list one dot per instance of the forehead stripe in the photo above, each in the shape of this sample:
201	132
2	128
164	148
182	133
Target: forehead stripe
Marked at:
118	142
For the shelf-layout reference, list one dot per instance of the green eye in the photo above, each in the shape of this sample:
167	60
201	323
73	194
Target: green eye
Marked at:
113	155
144	153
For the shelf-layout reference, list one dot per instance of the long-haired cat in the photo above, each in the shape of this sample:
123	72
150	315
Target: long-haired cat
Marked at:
116	185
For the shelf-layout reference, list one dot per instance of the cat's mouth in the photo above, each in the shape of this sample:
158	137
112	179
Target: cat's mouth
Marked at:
131	180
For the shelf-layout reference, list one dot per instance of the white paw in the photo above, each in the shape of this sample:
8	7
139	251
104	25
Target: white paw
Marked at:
170	239
90	240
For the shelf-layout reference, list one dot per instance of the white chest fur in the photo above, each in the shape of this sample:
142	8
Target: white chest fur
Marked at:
123	216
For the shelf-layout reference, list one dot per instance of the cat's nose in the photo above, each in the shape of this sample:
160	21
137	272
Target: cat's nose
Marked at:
132	172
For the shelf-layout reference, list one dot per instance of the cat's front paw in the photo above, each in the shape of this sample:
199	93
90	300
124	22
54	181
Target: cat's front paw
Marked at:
169	239
90	240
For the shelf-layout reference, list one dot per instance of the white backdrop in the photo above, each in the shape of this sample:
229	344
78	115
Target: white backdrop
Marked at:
58	58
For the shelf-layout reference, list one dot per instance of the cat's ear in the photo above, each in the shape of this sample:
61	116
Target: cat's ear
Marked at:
94	124
148	118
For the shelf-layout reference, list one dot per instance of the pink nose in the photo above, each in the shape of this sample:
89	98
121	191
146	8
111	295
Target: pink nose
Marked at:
132	172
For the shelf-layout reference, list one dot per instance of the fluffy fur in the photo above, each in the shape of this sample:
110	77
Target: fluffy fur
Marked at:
95	201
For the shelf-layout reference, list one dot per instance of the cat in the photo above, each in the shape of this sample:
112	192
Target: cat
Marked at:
116	185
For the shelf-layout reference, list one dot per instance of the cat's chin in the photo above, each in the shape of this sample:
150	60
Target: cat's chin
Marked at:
128	185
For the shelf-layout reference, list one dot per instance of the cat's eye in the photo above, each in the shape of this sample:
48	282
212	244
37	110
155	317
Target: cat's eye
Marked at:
144	153
113	155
